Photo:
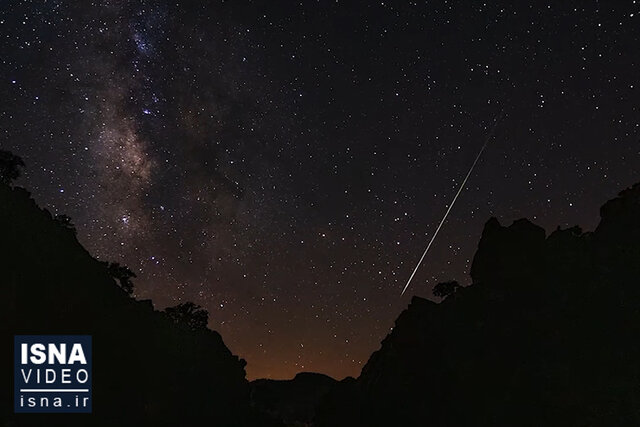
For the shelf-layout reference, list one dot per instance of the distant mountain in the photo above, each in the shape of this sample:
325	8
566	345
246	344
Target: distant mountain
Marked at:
548	334
292	401
149	367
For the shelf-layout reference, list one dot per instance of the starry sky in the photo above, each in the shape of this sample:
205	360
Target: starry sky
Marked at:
284	164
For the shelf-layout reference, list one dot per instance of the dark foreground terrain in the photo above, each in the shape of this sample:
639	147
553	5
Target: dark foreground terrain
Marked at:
292	401
149	367
548	334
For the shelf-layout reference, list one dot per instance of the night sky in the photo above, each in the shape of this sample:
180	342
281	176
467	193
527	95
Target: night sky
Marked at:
285	164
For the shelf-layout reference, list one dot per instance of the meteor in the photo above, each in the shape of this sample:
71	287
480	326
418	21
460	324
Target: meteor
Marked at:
464	182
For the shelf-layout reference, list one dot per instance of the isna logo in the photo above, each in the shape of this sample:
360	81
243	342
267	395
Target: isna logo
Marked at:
52	373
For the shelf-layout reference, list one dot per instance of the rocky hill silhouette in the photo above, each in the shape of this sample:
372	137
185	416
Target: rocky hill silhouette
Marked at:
547	334
149	367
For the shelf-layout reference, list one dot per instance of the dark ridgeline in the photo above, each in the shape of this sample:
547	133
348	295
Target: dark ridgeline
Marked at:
292	401
548	334
149	367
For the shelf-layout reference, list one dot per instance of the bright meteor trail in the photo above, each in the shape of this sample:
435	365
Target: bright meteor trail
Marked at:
444	218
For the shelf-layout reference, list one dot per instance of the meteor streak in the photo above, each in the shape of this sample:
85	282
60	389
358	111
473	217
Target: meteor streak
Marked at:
464	182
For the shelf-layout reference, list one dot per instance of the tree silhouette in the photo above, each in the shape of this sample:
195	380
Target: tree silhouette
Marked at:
189	314
10	165
123	275
444	289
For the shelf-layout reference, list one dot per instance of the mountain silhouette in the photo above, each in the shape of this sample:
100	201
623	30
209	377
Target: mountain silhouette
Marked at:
292	401
547	334
149	367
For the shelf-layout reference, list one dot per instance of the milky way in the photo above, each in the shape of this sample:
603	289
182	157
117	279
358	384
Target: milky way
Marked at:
282	166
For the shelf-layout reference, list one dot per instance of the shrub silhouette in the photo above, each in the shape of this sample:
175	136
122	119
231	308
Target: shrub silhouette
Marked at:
444	289
189	314
123	275
10	165
65	221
